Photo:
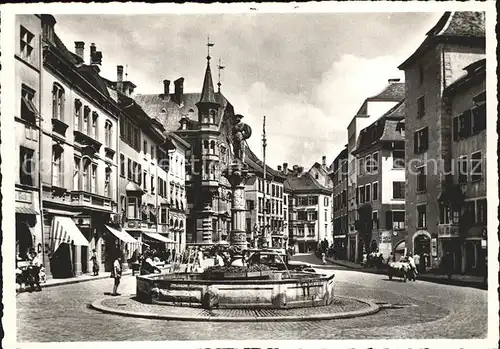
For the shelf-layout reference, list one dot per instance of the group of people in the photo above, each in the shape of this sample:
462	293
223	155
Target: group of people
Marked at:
29	273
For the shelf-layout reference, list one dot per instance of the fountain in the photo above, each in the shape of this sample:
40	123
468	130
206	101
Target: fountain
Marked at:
252	287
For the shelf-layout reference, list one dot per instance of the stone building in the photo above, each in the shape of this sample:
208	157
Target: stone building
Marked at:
462	228
338	175
204	121
79	167
456	41
265	196
371	109
380	192
28	90
310	206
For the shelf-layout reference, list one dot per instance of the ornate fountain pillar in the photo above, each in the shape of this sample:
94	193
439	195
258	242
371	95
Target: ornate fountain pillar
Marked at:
237	175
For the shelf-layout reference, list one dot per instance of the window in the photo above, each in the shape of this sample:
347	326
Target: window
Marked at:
145	147
357	196
420	74
374	163
93	132
421	216
462	125
481	211
375	219
57	102
470	209
312	200
398	159
476	166
260	205
398	190
421	179
145	180
163	215
108	134
479	118
375	191
26	166
267	188
368	164
152	184
28	109
93	183
444	214
129	170
132	207
76	173
122	165
78	114
152	151
107	182
300	231
421	106
85	175
86	116
368	194
361	195
57	168
27	44
361	166
250	205
326	201
398	220
462	169
301	215
312	215
421	140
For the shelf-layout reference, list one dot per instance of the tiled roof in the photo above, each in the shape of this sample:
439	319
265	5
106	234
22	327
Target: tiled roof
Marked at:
169	113
394	92
70	56
386	128
305	184
207	91
465	25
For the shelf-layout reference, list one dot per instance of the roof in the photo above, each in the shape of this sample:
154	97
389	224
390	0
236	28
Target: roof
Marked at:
335	164
169	113
305	184
393	92
387	128
207	91
476	72
467	26
257	165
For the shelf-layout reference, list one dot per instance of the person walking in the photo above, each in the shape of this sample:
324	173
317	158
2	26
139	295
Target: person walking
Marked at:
34	265
413	267
95	264
116	274
416	259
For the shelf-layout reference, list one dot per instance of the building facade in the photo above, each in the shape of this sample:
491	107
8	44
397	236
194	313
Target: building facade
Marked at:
457	40
28	89
380	192
311	211
338	175
371	109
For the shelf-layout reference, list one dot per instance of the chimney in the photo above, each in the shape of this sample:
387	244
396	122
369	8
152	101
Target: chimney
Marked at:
119	78
285	168
79	48
92	52
392	81
179	90
279	168
95	56
323	161
48	23
166	90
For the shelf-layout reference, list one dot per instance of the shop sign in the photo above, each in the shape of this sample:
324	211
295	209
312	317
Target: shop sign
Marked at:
385	239
82	222
434	247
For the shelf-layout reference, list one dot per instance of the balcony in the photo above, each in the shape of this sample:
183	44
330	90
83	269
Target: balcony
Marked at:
448	231
87	143
92	201
59	127
109	153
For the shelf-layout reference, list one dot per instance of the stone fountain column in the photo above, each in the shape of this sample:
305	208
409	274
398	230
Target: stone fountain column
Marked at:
237	176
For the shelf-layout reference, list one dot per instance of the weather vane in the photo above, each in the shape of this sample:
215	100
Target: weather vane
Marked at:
209	44
220	67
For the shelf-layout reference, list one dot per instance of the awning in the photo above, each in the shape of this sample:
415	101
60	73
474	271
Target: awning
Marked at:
64	230
60	212
26	210
122	235
158	237
401	246
133	187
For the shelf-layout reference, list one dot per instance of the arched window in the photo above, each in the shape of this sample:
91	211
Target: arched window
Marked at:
212	147
93	130
211	118
205	147
108	134
78	114
57	102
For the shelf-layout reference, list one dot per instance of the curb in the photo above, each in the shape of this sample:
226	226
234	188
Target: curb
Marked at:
372	309
77	281
428	278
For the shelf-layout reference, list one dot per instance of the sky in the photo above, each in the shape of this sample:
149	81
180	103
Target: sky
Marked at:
307	73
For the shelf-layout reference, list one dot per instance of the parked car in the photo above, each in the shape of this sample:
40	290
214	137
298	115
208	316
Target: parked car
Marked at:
278	261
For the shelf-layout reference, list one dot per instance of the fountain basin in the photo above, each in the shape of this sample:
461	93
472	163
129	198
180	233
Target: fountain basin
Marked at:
280	291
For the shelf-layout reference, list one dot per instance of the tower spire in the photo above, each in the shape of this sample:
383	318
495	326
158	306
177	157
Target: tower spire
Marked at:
220	67
207	91
209	44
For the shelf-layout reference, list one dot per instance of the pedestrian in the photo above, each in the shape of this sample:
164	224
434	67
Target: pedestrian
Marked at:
323	258
116	274
95	264
448	264
413	267
416	259
423	262
34	266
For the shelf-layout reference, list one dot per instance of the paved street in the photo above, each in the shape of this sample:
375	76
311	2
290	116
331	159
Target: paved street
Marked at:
433	311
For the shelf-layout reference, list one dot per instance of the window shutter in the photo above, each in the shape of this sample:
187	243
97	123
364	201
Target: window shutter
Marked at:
467	123
415	142
455	129
425	137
